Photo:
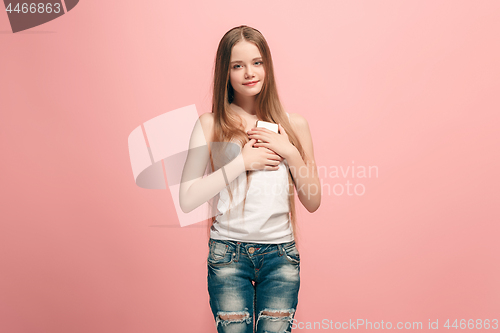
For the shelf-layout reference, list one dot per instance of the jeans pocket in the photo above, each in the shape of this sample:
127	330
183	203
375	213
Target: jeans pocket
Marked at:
220	254
291	253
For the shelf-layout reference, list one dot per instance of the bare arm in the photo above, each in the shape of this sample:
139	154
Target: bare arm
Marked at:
306	180
194	189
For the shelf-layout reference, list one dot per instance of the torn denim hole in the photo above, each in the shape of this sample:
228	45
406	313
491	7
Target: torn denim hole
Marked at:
288	317
245	317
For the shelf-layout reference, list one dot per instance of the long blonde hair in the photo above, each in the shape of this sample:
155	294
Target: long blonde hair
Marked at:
227	126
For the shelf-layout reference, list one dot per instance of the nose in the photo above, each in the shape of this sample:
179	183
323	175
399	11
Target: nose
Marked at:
249	71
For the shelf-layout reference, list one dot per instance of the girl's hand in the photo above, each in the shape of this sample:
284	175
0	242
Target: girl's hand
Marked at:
259	158
279	143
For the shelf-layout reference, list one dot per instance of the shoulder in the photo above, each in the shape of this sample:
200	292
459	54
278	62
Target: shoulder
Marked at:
207	118
298	122
301	129
207	124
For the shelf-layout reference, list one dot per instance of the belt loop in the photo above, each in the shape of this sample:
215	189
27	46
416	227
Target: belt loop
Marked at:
238	244
280	248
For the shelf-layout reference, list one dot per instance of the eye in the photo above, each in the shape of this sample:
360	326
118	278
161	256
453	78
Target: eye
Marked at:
235	66
259	62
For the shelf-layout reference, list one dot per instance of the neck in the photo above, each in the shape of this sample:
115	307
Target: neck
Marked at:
245	104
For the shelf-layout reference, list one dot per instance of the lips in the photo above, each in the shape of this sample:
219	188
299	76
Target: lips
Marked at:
250	83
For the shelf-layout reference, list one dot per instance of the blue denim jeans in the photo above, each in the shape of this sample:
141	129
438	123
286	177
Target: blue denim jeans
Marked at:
244	278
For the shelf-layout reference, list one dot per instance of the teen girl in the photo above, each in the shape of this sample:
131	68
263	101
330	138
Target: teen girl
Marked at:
253	263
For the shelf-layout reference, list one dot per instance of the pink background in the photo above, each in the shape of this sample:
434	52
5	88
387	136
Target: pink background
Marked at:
410	87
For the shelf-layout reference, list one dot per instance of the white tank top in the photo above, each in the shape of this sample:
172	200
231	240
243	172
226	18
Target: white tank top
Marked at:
266	217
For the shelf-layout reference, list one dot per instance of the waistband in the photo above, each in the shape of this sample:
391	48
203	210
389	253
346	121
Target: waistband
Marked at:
251	248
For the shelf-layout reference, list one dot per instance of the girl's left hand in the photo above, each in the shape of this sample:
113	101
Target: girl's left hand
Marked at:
279	143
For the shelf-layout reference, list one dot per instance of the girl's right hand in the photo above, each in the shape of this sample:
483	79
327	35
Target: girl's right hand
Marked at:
260	158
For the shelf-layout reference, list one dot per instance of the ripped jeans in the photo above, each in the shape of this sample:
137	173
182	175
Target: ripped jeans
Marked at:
244	278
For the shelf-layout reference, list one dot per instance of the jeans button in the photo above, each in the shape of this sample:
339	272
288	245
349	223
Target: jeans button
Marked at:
251	250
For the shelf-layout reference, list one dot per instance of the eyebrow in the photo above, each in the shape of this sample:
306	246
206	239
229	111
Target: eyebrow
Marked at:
242	61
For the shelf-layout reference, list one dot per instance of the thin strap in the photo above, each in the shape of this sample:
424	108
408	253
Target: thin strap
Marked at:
288	115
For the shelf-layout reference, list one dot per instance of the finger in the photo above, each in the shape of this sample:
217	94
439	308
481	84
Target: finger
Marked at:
274	158
260	129
250	143
262	144
259	137
263	132
272	151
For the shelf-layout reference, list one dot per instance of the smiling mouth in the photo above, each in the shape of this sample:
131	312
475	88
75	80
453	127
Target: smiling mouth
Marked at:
249	83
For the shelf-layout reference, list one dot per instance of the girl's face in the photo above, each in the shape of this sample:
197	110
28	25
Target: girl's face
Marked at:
246	69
